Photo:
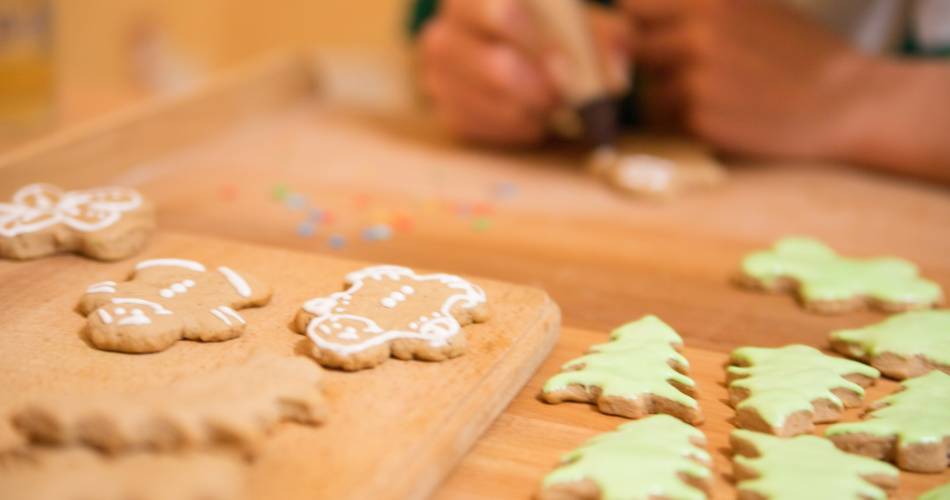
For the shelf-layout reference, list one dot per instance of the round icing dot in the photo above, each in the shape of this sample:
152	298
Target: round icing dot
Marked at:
188	283
349	329
179	288
338	309
336	325
166	293
388	302
413	325
120	310
408	290
423	318
398	296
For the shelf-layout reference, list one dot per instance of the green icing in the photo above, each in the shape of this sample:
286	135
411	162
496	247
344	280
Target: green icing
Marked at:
785	380
823	275
924	333
919	413
641	459
808	467
634	363
938	493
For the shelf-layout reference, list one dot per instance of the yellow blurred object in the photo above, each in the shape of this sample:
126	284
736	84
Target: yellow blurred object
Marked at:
26	64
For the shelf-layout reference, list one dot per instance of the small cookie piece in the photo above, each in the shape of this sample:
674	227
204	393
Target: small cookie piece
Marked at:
166	300
83	475
786	390
391	311
639	372
233	406
657	457
938	493
910	427
774	468
108	223
642	174
828	283
902	346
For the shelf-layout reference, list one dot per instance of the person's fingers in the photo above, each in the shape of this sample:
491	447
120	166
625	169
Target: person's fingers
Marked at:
498	69
673	45
613	40
503	20
471	113
656	12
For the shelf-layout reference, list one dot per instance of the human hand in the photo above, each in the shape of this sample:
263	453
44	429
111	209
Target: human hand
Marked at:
748	76
494	78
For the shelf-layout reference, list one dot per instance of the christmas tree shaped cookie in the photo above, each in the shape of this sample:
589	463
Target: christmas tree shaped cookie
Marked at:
902	346
657	457
637	373
828	283
774	468
910	427
785	391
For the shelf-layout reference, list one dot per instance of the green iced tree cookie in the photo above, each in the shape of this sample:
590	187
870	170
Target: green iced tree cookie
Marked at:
829	283
639	372
785	390
808	467
644	459
938	493
902	346
911	426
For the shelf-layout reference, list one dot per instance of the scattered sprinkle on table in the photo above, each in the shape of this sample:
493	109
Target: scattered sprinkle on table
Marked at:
337	241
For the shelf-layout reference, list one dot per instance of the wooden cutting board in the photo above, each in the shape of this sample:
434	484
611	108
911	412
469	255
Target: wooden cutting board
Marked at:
392	432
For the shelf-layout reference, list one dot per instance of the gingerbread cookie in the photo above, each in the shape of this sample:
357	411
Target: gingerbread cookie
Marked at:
637	373
828	283
910	427
785	391
233	406
391	311
902	346
83	475
774	468
657	457
642	174
166	300
108	223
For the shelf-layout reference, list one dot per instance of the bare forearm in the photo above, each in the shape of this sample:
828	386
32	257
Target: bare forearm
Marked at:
900	118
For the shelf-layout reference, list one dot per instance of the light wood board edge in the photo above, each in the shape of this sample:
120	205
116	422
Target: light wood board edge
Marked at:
482	406
88	154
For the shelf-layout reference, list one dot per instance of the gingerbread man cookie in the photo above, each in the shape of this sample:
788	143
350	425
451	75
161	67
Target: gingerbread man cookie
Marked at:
657	457
107	223
902	346
828	283
638	373
166	300
786	390
910	427
233	406
774	468
391	311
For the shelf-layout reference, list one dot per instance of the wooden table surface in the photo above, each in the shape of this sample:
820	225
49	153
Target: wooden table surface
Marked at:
605	258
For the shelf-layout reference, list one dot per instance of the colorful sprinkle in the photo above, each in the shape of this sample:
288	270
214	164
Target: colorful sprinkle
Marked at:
361	200
481	224
483	208
377	232
402	223
306	229
279	192
328	217
296	201
315	215
337	241
505	190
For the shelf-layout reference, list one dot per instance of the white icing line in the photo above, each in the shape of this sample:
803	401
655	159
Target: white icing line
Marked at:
164	292
158	308
221	316
100	289
104	315
240	286
187	264
231	312
136	318
48	205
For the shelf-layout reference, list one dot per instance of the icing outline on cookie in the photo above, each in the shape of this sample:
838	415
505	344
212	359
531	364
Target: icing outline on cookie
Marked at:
436	328
39	206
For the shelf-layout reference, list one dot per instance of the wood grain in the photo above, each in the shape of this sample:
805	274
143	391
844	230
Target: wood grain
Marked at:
406	422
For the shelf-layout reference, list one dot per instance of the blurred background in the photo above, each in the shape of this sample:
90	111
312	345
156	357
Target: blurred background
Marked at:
65	61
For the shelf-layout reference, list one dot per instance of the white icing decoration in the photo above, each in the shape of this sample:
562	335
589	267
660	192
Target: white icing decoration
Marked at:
120	311
102	287
137	317
239	284
388	302
38	206
398	296
178	288
436	331
164	292
408	290
187	264
188	283
158	308
218	314
231	312
104	315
